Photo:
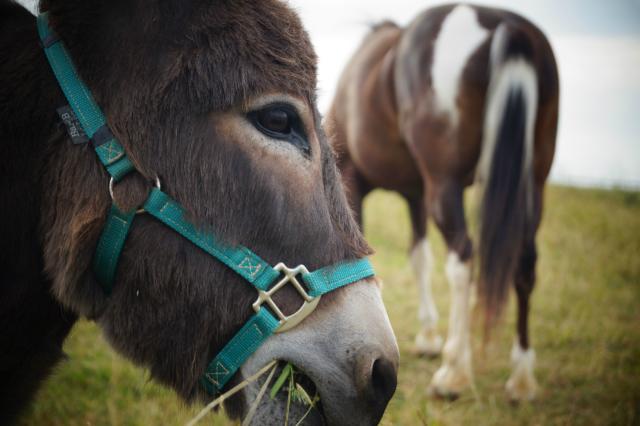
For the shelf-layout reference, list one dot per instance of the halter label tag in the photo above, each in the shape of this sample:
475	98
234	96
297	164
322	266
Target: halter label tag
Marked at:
71	122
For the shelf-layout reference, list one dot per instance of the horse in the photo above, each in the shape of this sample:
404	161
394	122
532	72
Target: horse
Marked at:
462	94
214	102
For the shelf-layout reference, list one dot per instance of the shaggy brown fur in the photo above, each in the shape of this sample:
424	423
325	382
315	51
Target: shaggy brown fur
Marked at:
164	73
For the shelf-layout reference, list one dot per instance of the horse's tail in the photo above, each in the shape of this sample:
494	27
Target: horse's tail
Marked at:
505	167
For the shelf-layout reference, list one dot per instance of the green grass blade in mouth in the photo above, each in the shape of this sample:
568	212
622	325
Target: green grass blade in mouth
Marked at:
282	378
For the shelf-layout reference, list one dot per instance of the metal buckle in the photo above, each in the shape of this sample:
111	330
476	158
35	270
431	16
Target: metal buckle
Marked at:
308	306
140	210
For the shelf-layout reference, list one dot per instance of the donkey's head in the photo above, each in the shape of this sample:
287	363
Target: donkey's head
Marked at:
217	100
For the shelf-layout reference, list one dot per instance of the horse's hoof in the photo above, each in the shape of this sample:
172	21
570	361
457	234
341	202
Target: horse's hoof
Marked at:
436	392
519	390
522	385
428	343
448	383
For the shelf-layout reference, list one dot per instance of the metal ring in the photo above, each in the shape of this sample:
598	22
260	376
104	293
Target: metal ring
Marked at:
140	210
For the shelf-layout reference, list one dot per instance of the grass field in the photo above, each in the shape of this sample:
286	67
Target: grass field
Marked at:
585	326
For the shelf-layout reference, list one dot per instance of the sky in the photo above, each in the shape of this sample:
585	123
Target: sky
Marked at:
597	46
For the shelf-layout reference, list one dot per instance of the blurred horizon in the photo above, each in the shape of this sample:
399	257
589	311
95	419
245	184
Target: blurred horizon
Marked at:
597	47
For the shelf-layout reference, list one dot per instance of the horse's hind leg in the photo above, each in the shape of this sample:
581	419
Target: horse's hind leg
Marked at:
446	207
428	341
522	384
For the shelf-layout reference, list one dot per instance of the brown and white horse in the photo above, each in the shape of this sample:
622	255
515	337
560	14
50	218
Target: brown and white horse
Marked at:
463	92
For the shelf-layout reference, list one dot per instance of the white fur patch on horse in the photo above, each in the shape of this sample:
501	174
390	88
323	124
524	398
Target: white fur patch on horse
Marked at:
428	341
458	272
522	384
455	374
460	35
422	261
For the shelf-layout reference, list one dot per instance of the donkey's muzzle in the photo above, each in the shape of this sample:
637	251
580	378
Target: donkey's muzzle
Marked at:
376	380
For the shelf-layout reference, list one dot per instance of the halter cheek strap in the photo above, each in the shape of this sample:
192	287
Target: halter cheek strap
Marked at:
266	279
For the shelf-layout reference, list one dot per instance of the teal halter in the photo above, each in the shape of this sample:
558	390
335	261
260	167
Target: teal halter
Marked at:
241	260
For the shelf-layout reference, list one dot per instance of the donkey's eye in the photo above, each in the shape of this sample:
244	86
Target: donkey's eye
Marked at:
280	121
276	120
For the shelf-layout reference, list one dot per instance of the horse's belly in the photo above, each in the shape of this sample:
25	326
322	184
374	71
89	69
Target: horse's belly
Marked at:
385	164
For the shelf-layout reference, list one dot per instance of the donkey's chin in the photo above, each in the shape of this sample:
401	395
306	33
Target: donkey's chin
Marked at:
345	353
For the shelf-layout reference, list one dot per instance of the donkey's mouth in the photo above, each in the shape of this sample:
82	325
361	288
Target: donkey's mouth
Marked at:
337	356
291	398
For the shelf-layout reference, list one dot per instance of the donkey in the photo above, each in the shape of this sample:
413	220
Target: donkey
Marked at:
463	92
215	101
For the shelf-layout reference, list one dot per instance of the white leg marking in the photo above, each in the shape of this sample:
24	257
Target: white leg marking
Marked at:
473	297
522	384
428	341
455	374
460	35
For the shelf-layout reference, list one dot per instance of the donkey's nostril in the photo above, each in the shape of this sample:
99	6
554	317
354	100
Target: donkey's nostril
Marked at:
376	380
383	380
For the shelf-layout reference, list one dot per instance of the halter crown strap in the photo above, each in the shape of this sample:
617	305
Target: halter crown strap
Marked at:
110	153
266	279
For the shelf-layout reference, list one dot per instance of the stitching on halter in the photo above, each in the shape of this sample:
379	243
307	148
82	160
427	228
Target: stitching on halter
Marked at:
218	374
247	265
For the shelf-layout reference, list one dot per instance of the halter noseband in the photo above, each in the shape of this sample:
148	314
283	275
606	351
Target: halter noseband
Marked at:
266	320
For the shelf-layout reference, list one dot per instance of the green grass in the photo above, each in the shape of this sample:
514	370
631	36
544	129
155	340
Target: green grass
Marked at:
585	326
